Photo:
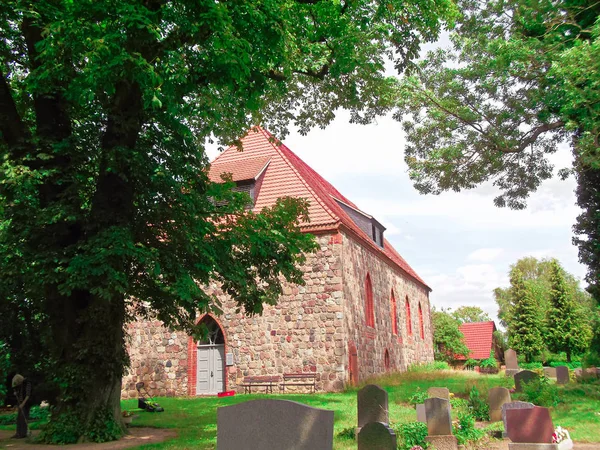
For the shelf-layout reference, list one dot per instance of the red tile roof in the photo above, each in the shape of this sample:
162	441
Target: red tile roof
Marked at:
249	170
478	338
288	176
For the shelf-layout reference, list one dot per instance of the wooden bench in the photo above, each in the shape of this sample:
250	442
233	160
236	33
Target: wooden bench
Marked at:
299	379
261	381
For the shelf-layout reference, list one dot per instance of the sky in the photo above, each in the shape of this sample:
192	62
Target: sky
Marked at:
459	243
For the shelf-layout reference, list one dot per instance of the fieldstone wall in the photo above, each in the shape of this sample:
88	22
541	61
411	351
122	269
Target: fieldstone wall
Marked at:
158	358
302	333
372	343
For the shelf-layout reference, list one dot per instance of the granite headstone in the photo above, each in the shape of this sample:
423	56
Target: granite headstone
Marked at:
562	375
421	414
512	366
533	426
439	421
280	424
377	436
372	405
524	376
439	392
513	405
497	397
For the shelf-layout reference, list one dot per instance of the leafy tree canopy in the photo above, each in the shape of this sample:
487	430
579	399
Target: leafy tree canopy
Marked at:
106	212
468	314
447	337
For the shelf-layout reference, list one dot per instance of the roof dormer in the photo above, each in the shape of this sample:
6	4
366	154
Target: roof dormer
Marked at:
246	176
365	222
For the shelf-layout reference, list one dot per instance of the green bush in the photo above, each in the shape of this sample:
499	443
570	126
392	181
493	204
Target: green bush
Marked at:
36	414
489	363
531	365
465	430
571	365
348	433
478	405
418	397
411	434
540	392
459	404
470	363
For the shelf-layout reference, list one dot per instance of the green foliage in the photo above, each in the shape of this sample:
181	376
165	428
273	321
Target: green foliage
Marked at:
36	414
465	430
447	338
418	397
428	367
411	434
4	368
489	363
470	363
469	314
459	404
347	433
541	392
106	209
478	405
531	365
567	327
68	428
525	331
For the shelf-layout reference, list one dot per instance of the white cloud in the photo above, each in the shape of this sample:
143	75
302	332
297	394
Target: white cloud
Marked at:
485	254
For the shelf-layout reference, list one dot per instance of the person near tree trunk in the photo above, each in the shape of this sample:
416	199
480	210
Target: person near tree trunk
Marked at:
22	390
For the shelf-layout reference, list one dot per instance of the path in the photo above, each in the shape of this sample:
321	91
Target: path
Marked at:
137	436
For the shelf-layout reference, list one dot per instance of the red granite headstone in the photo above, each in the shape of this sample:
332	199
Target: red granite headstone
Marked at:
533	426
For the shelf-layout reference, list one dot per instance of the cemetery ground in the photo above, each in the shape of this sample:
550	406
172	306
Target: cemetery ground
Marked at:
190	423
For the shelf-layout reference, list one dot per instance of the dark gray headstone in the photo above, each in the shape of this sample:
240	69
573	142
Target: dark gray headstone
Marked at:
510	357
421	414
562	374
280	424
439	421
524	376
532	426
372	405
550	372
497	397
513	405
439	392
377	436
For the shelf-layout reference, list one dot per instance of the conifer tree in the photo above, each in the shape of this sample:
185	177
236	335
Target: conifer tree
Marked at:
567	329
526	327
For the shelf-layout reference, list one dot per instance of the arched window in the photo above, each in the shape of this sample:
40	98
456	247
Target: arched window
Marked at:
408	319
394	313
369	311
386	360
421	330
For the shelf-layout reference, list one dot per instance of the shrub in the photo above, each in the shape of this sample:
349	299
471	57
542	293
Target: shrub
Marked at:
465	430
531	365
540	392
411	434
478	405
459	404
571	365
428	367
470	363
347	433
35	414
418	397
490	363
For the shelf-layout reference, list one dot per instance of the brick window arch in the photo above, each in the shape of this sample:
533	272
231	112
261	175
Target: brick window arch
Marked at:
369	310
394	313
421	329
408	318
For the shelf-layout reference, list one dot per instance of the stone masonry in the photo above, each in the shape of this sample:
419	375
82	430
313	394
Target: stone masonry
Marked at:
309	330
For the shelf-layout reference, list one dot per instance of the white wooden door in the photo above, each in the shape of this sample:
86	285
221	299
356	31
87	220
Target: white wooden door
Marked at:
211	369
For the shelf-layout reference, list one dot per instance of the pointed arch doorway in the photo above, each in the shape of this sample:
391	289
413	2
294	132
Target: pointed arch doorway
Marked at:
210	359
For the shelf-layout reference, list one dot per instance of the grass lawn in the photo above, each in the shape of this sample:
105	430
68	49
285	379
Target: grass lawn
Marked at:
195	418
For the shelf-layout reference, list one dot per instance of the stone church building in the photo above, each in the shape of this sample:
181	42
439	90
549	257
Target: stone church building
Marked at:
363	310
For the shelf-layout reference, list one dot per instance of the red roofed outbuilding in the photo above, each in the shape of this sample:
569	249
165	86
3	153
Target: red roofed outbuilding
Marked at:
363	310
480	340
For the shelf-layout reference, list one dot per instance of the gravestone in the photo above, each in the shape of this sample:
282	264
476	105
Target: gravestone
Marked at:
578	373
439	392
562	375
512	366
437	411
421	415
372	405
524	376
497	397
550	372
532	426
280	424
513	405
377	436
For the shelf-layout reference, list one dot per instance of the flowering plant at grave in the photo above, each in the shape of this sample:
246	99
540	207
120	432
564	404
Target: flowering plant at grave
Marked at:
560	434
